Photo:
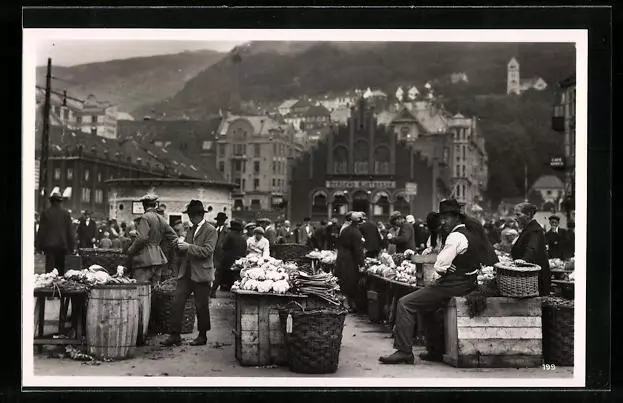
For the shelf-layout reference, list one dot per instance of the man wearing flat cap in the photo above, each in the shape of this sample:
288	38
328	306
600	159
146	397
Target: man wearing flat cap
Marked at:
557	240
530	246
54	236
456	269
221	230
146	256
195	275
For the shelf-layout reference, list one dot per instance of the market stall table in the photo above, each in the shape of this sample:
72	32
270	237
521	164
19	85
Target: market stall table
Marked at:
77	299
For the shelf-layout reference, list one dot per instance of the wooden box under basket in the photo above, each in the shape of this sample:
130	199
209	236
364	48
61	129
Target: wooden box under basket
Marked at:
259	339
508	334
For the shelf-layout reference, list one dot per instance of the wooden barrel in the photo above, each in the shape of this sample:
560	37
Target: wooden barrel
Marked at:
112	321
144	310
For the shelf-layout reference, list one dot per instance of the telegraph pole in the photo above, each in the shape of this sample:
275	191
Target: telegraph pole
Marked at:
45	140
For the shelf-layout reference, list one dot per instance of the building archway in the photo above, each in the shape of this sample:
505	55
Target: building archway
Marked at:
381	204
361	202
339	205
401	203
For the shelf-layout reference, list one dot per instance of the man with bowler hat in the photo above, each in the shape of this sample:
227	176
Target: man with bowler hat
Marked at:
221	230
557	240
195	275
146	256
456	270
54	236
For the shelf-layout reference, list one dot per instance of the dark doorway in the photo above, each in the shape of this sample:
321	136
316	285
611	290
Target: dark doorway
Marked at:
361	203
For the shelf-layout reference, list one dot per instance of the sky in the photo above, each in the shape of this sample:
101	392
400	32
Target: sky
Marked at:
70	53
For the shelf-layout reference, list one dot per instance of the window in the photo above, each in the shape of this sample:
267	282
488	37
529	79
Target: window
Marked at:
256	184
238	205
457	172
244	185
464	171
86	195
274	182
237	182
57	173
381	160
93	118
256	167
99	196
206	145
79	119
463	152
70	174
238	149
257	150
94	130
255	204
361	158
221	149
237	165
274	148
221	166
340	160
244	166
319	203
274	167
86	175
99	177
66	114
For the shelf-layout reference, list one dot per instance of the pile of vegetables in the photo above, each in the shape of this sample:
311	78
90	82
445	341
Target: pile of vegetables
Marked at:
485	274
267	276
398	258
46	280
406	273
387	260
97	275
381	270
322	285
325	256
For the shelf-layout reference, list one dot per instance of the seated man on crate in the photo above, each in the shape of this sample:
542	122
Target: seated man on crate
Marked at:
457	267
195	275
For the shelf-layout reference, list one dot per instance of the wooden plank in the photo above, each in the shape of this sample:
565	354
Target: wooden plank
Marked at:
499	321
450	330
249	353
499	333
250	306
48	341
264	331
495	361
248	322
500	347
502	306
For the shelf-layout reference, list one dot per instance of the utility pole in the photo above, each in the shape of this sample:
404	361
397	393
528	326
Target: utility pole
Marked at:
45	140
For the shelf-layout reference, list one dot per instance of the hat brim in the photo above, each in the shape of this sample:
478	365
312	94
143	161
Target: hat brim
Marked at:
195	211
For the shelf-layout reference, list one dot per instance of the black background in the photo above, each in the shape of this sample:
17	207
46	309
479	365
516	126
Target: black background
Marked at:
598	20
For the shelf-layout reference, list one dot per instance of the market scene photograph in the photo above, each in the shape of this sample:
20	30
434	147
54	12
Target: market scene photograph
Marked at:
301	208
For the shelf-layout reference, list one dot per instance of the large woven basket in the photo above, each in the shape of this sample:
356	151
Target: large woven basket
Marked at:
290	251
107	258
558	331
161	306
314	345
518	281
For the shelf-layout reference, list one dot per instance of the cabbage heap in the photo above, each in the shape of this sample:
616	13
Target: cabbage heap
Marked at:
266	275
325	256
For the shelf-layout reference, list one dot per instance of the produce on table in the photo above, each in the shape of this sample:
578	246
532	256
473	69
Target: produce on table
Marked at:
266	275
556	264
45	280
485	274
322	285
406	273
386	259
325	256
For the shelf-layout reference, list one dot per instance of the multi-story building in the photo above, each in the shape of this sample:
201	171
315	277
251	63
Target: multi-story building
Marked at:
563	121
99	117
255	153
313	117
363	166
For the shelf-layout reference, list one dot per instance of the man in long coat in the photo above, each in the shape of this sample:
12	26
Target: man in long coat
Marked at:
530	245
557	240
87	231
221	230
405	238
349	258
54	236
234	247
195	275
372	237
146	256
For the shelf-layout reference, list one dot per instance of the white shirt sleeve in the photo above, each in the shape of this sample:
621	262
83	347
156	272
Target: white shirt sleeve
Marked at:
456	244
265	247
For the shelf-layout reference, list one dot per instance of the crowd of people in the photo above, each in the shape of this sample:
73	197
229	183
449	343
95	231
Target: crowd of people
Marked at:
200	254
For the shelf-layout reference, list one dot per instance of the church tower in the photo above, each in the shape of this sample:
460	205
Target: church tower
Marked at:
512	78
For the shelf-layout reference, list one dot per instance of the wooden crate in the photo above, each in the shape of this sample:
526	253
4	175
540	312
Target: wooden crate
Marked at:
259	339
507	334
376	306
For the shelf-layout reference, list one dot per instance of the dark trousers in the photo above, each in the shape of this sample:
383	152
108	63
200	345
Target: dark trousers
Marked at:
55	259
201	292
224	278
426	301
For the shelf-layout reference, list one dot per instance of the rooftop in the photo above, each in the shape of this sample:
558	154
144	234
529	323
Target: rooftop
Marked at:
548	182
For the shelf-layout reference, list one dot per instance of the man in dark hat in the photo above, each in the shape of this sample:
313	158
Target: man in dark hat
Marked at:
372	237
557	240
234	247
456	267
54	237
222	231
146	256
319	238
530	246
405	239
87	231
195	275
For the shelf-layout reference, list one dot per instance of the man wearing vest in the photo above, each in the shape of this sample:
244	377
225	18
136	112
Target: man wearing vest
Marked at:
456	266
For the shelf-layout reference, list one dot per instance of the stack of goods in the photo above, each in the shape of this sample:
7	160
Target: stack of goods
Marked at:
108	258
270	277
322	285
406	273
161	305
324	256
398	258
80	280
383	266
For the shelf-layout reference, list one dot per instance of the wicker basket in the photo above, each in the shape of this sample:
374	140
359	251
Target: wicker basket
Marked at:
107	258
314	345
558	331
518	281
290	251
161	305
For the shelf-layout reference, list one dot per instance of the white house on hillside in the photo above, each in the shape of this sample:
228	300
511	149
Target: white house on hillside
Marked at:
514	83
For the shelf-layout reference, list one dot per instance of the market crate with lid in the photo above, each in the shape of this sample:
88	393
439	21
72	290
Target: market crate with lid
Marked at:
507	334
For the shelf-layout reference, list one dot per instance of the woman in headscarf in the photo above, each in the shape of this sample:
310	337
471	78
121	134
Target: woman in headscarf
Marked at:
350	257
530	246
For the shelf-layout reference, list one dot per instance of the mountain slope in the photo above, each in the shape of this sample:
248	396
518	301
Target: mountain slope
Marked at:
275	71
130	83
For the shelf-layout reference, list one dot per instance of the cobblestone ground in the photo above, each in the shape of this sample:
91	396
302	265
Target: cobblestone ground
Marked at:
362	344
